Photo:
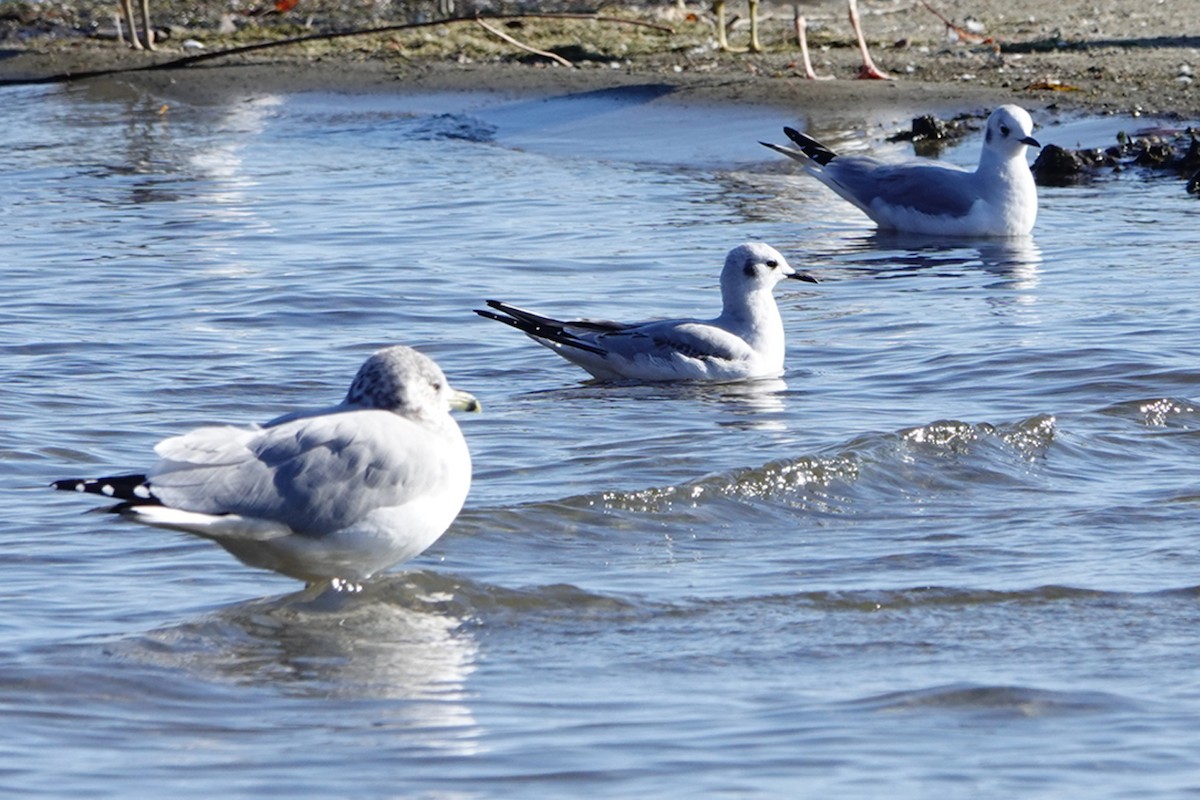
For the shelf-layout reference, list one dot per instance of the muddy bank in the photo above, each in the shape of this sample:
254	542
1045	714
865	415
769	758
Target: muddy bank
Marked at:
1106	56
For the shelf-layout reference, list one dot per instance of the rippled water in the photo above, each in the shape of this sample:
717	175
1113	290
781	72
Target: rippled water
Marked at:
952	553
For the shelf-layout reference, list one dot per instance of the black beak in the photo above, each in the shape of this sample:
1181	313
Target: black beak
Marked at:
803	276
1032	142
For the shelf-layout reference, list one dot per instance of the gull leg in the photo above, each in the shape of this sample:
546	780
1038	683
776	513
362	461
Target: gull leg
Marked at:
868	71
149	31
722	37
127	11
722	40
802	38
755	45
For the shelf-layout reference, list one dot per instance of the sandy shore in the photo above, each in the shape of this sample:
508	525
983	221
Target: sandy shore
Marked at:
1106	56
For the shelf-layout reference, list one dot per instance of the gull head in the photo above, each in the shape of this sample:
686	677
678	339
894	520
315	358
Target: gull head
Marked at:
1009	131
757	265
405	382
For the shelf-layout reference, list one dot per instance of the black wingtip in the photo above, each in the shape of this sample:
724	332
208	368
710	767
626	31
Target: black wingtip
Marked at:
131	488
818	152
491	315
534	325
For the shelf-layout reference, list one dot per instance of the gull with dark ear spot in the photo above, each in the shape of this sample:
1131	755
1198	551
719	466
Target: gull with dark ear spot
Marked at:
997	198
331	495
745	342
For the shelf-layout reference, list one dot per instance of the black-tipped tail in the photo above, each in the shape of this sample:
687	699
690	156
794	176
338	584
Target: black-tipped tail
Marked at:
132	489
539	327
810	146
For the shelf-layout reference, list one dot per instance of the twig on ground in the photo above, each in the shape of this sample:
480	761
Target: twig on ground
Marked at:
515	43
960	32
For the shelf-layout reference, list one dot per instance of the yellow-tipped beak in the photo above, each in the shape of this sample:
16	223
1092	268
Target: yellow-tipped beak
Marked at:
465	401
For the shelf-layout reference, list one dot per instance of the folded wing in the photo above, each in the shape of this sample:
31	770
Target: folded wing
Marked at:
314	475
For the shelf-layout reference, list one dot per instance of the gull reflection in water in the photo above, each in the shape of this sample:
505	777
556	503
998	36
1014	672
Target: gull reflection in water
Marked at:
1017	259
404	638
752	405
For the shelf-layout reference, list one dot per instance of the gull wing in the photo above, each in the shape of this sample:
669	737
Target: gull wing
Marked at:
570	333
673	340
929	188
314	475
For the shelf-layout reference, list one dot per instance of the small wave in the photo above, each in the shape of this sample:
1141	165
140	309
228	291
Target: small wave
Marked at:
475	600
1029	438
1018	701
772	480
871	600
450	126
939	455
1159	412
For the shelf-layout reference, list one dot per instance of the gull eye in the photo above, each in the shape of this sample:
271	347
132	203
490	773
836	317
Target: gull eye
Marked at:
437	387
772	263
1004	131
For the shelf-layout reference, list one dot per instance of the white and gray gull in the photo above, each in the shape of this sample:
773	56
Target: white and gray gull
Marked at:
745	342
331	495
998	198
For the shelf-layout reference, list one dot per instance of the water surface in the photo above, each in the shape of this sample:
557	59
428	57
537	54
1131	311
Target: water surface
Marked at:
952	551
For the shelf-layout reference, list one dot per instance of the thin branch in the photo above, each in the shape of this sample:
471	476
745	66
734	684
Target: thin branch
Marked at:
543	53
187	61
962	33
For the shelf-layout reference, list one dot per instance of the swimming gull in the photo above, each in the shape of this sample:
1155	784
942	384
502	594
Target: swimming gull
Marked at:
746	341
328	495
998	198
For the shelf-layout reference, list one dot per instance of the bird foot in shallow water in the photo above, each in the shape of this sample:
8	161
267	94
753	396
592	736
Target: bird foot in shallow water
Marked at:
343	586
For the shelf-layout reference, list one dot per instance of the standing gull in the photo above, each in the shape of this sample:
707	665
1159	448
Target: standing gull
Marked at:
999	198
328	495
746	341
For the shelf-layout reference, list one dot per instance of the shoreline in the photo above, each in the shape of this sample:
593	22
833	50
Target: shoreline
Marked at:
1102	57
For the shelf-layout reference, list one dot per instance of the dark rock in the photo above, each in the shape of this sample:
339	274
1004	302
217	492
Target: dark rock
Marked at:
1154	154
1058	166
928	127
